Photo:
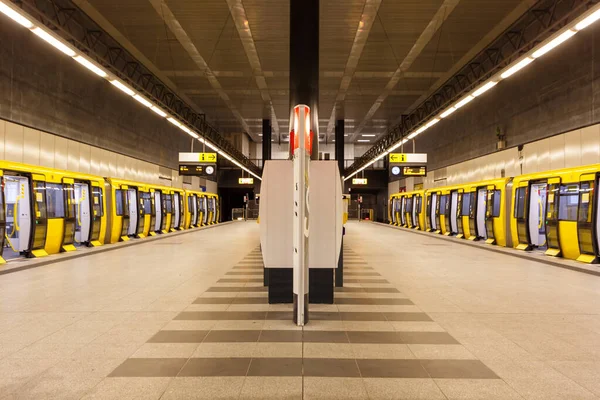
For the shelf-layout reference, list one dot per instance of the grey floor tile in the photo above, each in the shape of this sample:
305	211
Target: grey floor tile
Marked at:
427	338
407	316
250	300
149	367
222	316
244	273
280	336
381	290
214	300
279	315
216	367
275	367
220	336
331	367
188	336
128	389
327	388
458	369
204	388
373	301
377	368
325	337
240	280
374	337
362	316
365	280
272	388
404	389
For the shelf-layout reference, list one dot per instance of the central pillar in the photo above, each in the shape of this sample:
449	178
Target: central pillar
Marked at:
266	155
304	63
339	156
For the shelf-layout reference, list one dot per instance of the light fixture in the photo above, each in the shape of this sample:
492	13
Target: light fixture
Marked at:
174	121
432	123
412	135
15	16
517	67
394	147
209	144
345	134
484	88
158	111
566	35
464	101
54	42
448	112
595	16
368	135
91	66
142	100
122	87
363	140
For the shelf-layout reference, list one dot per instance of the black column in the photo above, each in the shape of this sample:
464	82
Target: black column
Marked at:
304	62
339	156
266	155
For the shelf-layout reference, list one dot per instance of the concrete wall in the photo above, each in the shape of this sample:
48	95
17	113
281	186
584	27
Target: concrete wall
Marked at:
556	94
45	90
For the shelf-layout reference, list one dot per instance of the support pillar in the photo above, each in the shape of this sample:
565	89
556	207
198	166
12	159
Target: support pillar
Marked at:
339	156
266	155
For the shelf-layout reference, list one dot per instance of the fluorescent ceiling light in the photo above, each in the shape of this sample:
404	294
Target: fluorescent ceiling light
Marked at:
368	135
174	122
122	87
448	112
158	111
209	144
588	21
54	42
432	123
15	16
464	101
89	65
555	43
142	100
345	134
420	130
484	88
364	140
517	67
412	135
394	147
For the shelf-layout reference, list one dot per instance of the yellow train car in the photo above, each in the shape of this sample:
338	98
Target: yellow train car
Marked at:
212	207
194	206
393	209
413	210
444	206
46	211
556	211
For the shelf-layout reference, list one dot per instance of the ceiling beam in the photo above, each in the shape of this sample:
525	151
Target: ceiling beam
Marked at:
165	13
286	74
238	13
434	25
363	30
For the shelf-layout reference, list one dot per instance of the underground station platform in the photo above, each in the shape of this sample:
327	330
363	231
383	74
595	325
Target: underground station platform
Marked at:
418	317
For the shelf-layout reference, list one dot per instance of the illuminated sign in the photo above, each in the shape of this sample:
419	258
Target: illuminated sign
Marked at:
246	181
198	158
412	158
197	170
359	181
414	171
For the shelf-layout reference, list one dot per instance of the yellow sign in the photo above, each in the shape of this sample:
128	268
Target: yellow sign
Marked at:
359	181
207	157
414	171
397	157
246	181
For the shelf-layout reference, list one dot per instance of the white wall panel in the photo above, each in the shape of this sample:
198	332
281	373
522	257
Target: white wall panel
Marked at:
211	186
13	142
573	149
590	145
73	155
31	146
2	136
557	152
85	156
47	141
61	151
96	161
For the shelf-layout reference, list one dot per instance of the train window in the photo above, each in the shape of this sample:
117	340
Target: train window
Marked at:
97	201
119	202
409	204
472	205
444	204
146	202
428	208
568	202
466	205
55	200
585	211
520	198
419	205
496	202
168	200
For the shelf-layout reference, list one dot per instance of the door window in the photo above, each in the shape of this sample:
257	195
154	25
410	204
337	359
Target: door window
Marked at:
568	202
120	199
520	200
55	200
586	217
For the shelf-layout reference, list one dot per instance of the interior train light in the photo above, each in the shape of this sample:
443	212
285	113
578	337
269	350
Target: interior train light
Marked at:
517	67
122	87
448	112
142	100
158	111
555	43
484	88
15	16
464	101
54	42
91	66
588	21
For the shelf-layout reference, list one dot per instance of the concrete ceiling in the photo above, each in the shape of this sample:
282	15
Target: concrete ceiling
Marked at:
231	57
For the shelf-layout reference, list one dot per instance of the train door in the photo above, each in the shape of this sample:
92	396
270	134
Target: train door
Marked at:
435	198
397	209
493	204
82	212
2	219
205	211
146	214
562	202
97	203
194	209
481	209
165	200
459	220
18	214
158	211
134	214
393	211
588	223
454	212
537	214
444	211
430	212
122	210
417	204
409	212
176	210
181	212
70	214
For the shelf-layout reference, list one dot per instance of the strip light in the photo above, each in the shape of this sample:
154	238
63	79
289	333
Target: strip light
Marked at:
91	66
159	111
464	102
15	16
517	67
484	88
448	112
54	42
122	87
590	19
142	100
555	43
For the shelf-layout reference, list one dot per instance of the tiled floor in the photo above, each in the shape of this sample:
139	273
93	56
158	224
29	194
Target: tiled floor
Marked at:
417	319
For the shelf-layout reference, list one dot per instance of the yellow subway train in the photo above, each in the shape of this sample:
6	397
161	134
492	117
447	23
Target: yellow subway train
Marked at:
555	212
46	211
